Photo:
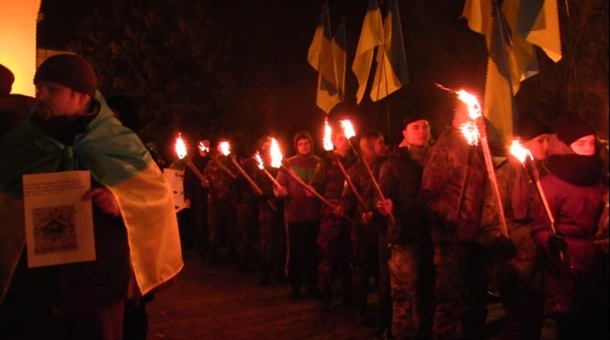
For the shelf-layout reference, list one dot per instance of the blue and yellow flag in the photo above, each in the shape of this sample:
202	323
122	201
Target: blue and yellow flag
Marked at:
320	57
511	33
116	158
371	36
340	58
391	73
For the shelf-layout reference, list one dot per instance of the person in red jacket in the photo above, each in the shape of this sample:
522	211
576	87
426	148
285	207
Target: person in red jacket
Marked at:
574	292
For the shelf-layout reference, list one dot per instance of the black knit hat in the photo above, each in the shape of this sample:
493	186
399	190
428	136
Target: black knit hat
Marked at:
413	117
529	127
70	71
301	135
7	78
571	128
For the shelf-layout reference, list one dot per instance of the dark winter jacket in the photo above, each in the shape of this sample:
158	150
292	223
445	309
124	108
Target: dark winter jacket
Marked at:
575	196
400	178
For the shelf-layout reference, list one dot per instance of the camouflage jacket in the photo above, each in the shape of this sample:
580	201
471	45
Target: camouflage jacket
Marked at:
328	179
222	186
453	187
400	178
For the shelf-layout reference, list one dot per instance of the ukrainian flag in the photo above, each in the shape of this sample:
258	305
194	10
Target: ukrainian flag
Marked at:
117	159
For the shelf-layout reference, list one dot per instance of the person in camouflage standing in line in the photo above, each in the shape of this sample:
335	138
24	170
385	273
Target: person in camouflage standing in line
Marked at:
333	238
410	265
222	196
247	206
453	188
368	223
270	222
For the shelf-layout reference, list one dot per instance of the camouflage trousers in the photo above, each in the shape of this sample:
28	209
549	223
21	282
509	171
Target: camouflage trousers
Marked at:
334	245
364	261
411	279
246	229
461	289
221	225
272	236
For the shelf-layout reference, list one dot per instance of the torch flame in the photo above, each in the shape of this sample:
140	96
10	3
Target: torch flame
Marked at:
259	160
328	144
224	147
470	131
276	154
474	108
203	148
348	128
180	147
520	152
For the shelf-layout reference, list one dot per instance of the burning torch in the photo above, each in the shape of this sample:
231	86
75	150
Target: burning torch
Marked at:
278	162
473	135
524	156
181	152
253	184
225	149
328	146
348	131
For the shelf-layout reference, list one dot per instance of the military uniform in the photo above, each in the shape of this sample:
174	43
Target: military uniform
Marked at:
519	277
222	197
453	188
334	236
364	236
410	265
271	231
247	206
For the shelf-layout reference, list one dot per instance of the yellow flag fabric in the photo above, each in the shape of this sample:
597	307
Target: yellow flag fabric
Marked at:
371	36
320	57
118	160
391	72
545	32
512	56
152	230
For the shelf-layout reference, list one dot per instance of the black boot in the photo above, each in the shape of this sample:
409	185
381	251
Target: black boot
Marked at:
327	298
265	276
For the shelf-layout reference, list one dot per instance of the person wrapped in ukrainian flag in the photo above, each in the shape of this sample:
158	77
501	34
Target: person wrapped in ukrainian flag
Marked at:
137	246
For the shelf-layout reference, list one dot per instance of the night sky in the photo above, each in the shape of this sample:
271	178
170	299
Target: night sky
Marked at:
276	34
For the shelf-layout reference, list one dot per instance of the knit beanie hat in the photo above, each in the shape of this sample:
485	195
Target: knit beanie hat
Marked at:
413	117
6	80
529	126
70	71
571	128
301	135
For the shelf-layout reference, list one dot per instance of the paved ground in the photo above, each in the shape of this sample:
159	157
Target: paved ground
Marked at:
215	302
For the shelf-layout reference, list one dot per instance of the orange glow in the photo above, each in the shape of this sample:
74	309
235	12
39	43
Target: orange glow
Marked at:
328	144
348	128
474	108
259	160
470	132
180	147
520	152
18	42
224	147
276	154
203	148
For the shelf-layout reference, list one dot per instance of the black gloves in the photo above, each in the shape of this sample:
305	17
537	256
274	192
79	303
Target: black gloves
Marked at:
556	244
505	247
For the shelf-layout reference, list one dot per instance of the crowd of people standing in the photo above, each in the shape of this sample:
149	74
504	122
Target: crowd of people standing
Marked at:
416	224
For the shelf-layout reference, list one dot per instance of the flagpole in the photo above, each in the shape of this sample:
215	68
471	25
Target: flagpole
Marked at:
498	18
